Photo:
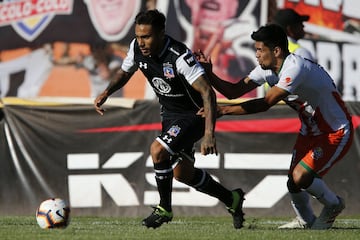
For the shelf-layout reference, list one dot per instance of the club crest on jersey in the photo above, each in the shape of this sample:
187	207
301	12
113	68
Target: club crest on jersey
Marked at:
30	18
174	131
317	153
168	70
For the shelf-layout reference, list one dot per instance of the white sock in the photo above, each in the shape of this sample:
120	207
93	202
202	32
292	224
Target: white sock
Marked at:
321	192
302	207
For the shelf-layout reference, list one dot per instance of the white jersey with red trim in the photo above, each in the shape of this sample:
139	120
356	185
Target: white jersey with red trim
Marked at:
313	94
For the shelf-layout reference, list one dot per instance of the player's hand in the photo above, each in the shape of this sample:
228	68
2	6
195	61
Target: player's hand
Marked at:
201	112
99	101
205	61
208	145
218	112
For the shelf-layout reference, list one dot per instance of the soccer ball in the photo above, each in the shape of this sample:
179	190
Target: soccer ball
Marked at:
53	213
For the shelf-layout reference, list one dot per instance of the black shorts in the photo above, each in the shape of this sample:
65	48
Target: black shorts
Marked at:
180	132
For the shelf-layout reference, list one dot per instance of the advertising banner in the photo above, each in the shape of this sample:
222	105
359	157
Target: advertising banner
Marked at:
32	23
102	165
334	38
220	29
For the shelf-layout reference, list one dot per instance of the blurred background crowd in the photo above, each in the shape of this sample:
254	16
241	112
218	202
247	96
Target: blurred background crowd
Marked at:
69	48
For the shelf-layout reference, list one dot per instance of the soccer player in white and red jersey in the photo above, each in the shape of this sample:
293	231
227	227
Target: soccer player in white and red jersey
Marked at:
326	129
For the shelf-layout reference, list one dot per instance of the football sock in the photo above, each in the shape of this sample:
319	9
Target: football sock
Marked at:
164	176
321	192
203	182
302	207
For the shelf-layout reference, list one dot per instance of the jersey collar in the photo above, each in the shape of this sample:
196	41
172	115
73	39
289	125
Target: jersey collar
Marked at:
167	42
282	64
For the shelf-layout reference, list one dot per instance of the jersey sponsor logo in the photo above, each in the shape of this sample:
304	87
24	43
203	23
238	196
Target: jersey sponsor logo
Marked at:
143	65
160	85
190	60
168	70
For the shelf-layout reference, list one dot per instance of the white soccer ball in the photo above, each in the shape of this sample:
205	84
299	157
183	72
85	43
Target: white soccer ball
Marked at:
53	213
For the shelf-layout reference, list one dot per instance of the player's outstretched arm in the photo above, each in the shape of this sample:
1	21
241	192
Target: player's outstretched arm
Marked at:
273	96
118	80
228	89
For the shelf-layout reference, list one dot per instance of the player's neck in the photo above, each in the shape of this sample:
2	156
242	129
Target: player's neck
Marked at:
160	48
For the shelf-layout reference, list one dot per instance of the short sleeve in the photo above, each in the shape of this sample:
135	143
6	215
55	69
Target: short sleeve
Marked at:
189	67
257	75
129	64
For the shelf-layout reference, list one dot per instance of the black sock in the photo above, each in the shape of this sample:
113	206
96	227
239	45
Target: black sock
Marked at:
164	176
203	182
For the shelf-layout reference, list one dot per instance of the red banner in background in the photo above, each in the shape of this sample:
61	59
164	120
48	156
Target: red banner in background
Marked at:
337	15
32	23
333	32
16	11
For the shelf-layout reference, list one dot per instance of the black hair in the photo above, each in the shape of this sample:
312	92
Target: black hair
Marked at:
151	17
272	35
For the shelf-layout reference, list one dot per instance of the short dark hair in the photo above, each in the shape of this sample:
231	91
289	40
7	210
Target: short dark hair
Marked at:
151	17
272	35
287	17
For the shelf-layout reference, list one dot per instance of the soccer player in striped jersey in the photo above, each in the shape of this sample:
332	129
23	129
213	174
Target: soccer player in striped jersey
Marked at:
182	88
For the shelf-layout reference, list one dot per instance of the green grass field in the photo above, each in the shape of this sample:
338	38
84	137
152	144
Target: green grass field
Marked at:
183	228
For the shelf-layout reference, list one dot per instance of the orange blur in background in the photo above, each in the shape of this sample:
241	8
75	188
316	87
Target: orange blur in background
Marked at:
70	81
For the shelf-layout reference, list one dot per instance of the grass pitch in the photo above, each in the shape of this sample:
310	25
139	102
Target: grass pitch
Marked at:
184	228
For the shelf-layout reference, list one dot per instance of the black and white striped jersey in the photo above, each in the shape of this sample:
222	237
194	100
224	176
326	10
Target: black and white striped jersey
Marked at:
170	74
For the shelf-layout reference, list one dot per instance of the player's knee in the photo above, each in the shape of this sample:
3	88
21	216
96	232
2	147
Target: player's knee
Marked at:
184	173
158	152
179	177
291	185
302	178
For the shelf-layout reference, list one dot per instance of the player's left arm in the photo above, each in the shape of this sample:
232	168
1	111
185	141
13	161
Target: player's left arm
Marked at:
272	97
201	84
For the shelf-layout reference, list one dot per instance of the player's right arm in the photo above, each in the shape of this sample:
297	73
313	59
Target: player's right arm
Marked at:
228	89
208	143
119	79
256	105
232	90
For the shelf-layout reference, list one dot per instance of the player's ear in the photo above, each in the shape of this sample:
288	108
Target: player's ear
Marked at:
162	33
277	51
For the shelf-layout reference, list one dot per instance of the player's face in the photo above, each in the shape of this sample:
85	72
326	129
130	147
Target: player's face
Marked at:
150	41
296	31
265	56
111	15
